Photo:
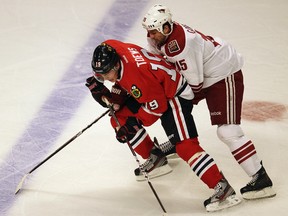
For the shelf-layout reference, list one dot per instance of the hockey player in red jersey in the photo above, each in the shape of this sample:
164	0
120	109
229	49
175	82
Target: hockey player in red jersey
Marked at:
212	68
157	92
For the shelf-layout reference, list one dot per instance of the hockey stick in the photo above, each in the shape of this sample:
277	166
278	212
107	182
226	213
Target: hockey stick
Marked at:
137	160
19	186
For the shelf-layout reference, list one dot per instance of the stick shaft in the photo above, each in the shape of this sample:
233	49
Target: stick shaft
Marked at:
68	142
19	186
138	161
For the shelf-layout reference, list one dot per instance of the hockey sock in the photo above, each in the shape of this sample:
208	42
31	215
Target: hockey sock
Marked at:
142	143
245	154
241	147
201	163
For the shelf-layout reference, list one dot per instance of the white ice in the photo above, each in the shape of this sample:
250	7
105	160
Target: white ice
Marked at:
39	40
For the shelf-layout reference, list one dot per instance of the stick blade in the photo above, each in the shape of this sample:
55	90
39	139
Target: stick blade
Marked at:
19	186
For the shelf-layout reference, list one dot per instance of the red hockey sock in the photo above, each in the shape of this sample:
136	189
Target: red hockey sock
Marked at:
202	164
142	143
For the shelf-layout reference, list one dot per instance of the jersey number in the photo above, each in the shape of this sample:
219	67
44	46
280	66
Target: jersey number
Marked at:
171	72
154	104
181	65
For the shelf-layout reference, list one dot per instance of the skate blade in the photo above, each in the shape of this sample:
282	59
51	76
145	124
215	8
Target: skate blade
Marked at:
227	203
260	194
160	171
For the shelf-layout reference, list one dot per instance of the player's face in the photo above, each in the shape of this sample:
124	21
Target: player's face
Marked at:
111	75
157	36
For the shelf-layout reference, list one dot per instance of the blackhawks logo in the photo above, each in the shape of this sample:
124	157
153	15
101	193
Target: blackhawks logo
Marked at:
136	92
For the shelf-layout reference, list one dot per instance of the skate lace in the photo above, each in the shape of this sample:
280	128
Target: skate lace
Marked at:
217	188
166	146
253	180
148	163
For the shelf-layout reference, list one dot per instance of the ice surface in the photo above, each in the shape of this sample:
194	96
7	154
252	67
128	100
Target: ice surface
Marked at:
46	47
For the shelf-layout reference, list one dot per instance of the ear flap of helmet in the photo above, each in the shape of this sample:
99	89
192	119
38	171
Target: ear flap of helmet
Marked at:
104	58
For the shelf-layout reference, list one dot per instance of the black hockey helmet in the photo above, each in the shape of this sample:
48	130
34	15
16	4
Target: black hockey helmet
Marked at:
104	58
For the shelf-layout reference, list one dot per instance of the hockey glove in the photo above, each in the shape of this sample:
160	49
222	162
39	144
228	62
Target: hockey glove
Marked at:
133	105
98	90
118	96
129	130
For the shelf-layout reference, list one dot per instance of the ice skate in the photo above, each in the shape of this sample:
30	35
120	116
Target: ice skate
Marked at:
168	149
224	197
259	187
156	165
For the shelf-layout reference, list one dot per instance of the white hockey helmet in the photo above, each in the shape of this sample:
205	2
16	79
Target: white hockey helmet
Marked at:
156	17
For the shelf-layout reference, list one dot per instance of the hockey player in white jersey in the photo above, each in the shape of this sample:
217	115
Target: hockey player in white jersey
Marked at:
212	67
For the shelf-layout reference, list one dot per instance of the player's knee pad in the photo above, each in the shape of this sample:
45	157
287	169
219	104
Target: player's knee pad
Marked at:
189	149
229	134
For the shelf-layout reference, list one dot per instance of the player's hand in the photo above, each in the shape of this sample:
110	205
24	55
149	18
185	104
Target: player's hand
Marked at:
118	97
128	131
98	90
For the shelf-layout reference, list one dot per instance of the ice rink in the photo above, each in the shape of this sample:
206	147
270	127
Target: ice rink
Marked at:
45	53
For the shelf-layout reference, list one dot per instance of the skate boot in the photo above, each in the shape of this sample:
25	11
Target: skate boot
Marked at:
223	197
156	165
168	149
259	187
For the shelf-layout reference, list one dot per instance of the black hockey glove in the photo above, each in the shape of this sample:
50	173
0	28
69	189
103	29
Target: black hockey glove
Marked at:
129	130
132	104
98	90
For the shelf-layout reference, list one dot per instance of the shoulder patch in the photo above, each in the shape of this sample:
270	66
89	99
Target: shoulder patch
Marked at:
173	46
136	92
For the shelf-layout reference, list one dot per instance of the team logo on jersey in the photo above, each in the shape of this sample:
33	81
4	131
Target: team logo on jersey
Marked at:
136	92
173	46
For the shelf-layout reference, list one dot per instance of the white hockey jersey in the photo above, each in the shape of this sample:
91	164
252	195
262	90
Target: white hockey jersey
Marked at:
203	60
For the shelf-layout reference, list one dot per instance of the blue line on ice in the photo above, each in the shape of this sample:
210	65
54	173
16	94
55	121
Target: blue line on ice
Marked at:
64	100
